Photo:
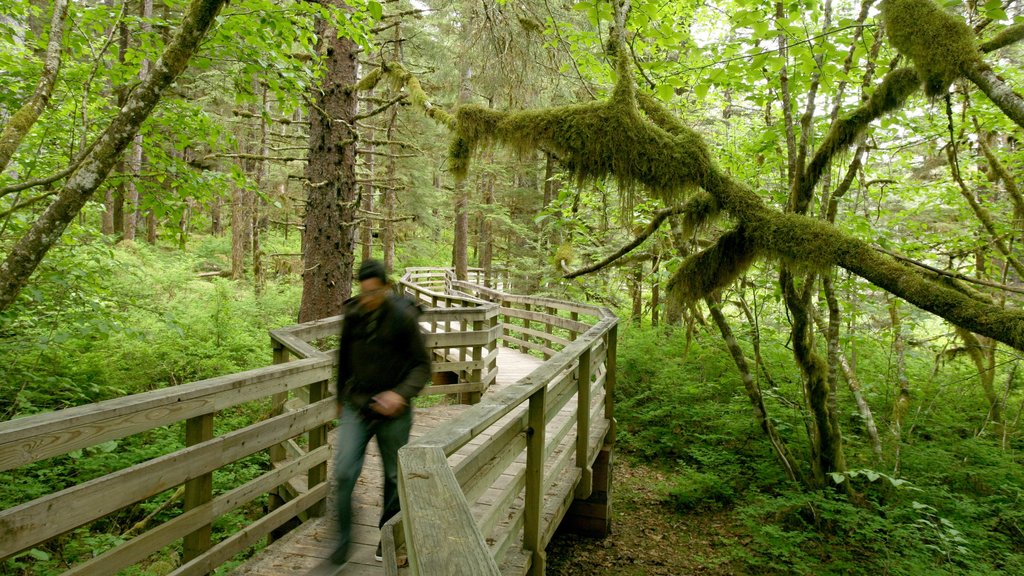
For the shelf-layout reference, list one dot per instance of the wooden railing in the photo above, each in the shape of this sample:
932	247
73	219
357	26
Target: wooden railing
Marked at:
27	440
463	323
482	511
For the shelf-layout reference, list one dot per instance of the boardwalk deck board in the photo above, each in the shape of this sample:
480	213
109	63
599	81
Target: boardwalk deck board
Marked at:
305	550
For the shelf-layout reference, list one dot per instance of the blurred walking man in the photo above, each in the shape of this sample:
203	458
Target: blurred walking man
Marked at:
383	364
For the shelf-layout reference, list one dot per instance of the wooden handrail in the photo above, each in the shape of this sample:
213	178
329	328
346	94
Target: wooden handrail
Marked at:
581	362
525	439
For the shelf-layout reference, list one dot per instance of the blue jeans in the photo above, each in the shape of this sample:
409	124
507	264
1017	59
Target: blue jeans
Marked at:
354	433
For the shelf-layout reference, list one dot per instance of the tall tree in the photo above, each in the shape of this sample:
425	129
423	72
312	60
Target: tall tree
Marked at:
328	239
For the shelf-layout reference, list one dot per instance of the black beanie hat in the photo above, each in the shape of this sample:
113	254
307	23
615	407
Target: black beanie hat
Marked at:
373	269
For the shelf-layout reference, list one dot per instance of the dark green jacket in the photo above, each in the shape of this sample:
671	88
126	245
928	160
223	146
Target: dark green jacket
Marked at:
388	354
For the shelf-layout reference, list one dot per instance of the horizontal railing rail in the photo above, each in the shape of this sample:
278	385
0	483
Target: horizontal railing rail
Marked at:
482	509
33	439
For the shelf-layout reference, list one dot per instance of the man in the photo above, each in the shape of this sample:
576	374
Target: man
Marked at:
383	364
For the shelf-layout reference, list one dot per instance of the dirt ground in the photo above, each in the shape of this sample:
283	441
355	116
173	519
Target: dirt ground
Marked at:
648	537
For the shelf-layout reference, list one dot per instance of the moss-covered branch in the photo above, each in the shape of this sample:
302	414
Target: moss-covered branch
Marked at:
998	92
23	120
401	78
894	90
1005	37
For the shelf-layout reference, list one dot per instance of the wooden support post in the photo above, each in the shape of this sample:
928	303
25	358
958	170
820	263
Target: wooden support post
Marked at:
277	452
575	317
199	490
526	324
317	438
548	328
611	344
533	510
477	375
586	484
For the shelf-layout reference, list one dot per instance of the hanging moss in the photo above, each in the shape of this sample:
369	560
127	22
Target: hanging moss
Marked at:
699	212
593	141
940	44
713	268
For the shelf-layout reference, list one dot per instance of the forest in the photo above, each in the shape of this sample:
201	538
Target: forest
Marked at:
807	215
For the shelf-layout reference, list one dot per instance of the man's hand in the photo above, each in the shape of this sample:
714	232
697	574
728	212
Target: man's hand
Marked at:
388	403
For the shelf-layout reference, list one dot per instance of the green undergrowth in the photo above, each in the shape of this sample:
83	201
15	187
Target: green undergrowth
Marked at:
956	507
104	321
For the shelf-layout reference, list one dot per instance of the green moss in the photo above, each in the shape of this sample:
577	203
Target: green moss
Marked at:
1005	37
593	140
714	267
940	44
699	212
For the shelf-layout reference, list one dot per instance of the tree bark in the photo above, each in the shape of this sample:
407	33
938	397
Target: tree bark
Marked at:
23	120
30	249
998	92
901	404
131	220
789	464
329	233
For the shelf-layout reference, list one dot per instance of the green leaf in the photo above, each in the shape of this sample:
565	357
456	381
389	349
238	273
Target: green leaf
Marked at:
375	9
39	555
665	92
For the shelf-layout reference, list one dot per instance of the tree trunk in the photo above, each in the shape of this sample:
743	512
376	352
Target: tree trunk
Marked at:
241	229
655	292
387	239
789	465
636	288
30	249
258	220
460	243
366	198
823	432
485	238
23	120
901	404
329	235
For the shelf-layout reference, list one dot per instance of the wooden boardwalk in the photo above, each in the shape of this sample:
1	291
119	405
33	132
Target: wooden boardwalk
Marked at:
306	549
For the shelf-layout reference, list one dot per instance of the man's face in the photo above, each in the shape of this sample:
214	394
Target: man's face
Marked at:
372	293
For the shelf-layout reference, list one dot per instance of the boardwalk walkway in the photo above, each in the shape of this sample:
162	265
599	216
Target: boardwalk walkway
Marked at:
305	550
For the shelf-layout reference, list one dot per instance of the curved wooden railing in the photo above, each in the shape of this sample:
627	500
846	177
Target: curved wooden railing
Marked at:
464	323
458	517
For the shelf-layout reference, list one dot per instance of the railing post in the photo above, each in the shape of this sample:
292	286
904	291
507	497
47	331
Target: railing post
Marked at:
586	485
317	438
526	324
477	375
277	452
548	327
611	345
199	490
575	317
533	511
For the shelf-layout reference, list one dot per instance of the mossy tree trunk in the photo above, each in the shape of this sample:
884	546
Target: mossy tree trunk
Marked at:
30	249
328	237
22	121
789	464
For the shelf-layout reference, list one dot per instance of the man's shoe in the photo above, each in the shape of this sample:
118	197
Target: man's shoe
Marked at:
379	554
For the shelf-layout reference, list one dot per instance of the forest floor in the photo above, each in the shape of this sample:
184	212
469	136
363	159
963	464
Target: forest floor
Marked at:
648	535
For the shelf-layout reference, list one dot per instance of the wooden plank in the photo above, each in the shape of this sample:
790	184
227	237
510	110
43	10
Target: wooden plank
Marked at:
297	346
547	319
137	549
584	371
199	489
441	536
43	518
248	536
525	344
316	329
534	482
27	440
461	339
